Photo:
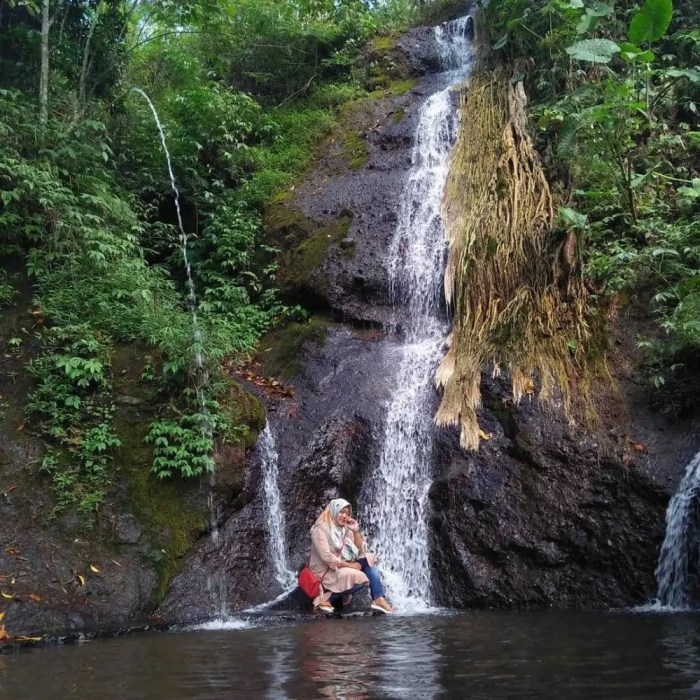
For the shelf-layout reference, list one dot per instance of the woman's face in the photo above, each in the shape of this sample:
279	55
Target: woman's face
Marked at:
343	516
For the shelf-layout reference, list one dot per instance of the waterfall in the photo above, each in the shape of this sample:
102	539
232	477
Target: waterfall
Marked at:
274	516
679	558
397	495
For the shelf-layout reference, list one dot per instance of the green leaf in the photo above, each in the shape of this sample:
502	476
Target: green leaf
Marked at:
693	74
572	218
691	192
593	50
585	23
501	42
633	54
651	22
600	9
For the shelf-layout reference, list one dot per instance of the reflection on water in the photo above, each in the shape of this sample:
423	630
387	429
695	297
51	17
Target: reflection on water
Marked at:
681	648
477	655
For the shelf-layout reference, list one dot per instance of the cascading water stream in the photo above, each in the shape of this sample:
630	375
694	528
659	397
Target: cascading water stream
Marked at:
274	516
202	375
397	494
680	551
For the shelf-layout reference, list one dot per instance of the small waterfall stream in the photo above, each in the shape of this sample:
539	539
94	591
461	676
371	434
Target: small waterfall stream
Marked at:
274	516
397	494
680	551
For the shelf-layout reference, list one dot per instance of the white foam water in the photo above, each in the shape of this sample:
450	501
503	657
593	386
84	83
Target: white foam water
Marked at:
674	571
274	515
223	624
397	494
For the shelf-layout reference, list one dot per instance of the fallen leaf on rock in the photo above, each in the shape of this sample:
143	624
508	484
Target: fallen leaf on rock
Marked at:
2	616
13	550
638	446
26	639
36	598
485	436
3	633
7	596
94	569
80	578
114	561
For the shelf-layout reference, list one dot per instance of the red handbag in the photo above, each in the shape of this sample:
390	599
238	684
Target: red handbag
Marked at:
308	582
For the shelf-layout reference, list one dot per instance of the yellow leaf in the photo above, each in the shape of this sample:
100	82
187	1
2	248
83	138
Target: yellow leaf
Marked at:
36	598
484	436
2	616
94	569
81	578
27	639
3	633
7	596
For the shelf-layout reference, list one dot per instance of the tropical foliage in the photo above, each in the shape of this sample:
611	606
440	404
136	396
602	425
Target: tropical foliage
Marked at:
615	91
244	90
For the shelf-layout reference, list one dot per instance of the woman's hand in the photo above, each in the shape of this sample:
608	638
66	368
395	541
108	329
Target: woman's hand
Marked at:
352	524
352	565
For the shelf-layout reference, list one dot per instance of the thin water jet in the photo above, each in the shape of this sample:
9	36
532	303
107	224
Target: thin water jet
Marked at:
202	375
216	586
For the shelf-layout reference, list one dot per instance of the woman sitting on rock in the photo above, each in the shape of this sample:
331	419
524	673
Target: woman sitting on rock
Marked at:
339	560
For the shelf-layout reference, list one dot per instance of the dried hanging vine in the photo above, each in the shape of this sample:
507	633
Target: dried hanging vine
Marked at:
515	287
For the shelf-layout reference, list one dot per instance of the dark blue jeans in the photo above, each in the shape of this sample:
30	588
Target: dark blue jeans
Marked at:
375	583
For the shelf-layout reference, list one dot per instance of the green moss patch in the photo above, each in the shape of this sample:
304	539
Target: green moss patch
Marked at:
304	242
384	43
355	150
245	410
280	350
395	87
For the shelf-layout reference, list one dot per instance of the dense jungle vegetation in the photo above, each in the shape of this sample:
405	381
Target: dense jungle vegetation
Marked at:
614	108
245	89
88	228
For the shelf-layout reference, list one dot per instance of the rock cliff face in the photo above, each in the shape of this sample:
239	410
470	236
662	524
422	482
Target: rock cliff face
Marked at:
545	514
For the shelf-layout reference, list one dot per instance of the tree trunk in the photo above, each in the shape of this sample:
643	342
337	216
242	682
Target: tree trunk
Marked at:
44	75
86	62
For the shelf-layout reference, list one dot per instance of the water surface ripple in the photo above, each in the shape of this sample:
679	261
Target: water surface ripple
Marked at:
475	655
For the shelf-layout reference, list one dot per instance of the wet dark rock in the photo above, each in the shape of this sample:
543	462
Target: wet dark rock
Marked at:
546	513
127	529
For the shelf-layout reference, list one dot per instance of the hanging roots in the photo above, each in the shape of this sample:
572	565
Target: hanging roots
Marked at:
516	290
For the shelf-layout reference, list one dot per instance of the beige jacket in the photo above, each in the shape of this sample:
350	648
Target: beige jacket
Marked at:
325	565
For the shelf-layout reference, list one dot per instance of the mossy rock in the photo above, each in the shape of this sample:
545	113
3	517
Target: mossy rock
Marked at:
245	412
383	43
304	243
356	151
384	61
395	87
280	351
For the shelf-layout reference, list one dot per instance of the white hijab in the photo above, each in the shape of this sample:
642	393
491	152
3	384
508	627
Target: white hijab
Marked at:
341	538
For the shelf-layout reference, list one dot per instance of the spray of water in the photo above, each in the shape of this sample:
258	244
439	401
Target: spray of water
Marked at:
397	494
674	572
